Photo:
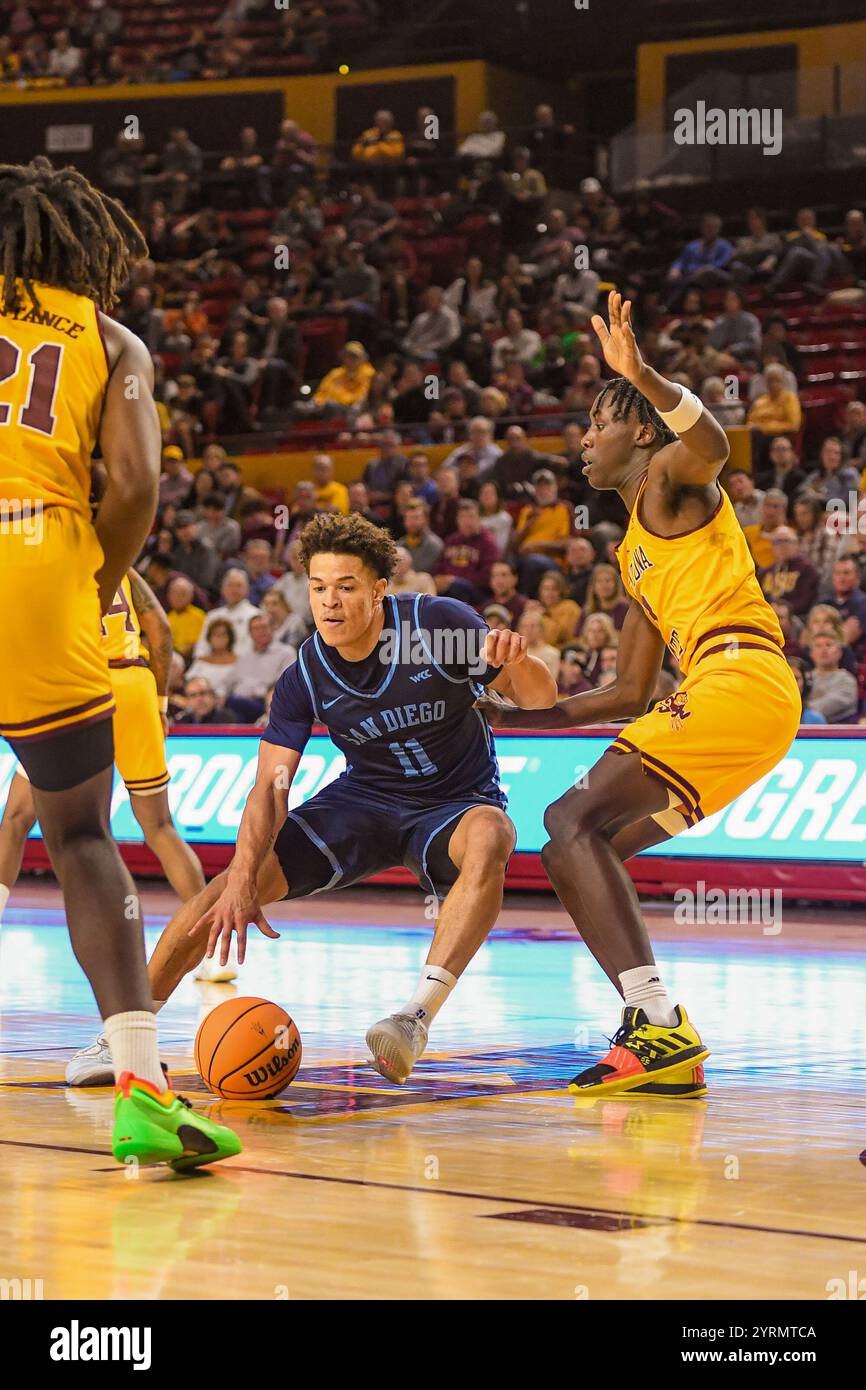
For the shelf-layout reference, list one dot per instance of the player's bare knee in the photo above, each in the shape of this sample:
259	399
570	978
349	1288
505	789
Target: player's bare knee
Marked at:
490	844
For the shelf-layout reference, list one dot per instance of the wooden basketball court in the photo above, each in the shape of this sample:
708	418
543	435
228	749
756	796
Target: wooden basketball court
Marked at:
482	1178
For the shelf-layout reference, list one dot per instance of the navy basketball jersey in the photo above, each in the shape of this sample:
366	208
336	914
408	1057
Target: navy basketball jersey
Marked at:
404	716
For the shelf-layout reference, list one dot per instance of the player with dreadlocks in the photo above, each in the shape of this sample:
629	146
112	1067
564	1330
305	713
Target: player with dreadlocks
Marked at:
71	379
692	588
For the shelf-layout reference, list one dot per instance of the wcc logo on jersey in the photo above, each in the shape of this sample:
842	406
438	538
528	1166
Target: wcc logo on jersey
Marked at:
638	565
675	706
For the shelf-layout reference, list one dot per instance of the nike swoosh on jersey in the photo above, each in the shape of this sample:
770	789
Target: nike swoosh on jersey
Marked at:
326	704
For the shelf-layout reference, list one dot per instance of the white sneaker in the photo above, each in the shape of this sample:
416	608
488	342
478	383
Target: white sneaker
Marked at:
395	1045
92	1066
212	973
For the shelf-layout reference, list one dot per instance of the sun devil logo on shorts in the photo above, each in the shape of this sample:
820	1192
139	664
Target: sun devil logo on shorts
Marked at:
675	706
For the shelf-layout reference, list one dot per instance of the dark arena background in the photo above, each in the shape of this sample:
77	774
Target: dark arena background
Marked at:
377	236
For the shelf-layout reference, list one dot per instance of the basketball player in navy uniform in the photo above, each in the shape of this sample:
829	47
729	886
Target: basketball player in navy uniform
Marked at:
395	679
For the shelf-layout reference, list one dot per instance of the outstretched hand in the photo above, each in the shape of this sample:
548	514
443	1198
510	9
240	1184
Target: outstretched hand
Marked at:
233	911
621	352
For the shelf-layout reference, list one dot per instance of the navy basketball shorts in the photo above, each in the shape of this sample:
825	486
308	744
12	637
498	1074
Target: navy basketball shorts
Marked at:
347	833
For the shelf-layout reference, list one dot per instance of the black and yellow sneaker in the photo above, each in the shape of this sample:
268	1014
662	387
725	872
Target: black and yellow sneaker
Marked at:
690	1086
642	1053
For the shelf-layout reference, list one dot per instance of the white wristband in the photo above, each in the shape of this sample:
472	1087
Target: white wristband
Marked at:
162	703
685	414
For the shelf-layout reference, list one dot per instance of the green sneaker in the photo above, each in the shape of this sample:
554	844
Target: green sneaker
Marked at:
154	1126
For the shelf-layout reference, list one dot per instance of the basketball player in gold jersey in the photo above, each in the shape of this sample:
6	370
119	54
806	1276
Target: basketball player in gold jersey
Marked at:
692	588
70	377
137	641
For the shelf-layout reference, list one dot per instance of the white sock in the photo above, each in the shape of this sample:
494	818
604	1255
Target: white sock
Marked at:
134	1047
643	989
4	898
432	990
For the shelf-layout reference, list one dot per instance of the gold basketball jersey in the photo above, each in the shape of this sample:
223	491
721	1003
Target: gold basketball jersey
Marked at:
53	375
699	588
121	630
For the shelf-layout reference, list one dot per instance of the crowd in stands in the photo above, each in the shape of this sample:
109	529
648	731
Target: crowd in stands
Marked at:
435	310
101	42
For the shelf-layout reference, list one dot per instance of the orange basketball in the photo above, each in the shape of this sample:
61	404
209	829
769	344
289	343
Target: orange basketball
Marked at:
247	1049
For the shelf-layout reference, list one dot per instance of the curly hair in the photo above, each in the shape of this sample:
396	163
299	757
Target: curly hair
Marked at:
57	229
626	402
329	533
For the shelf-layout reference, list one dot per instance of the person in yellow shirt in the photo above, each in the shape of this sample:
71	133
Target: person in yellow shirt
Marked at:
382	143
774	513
185	618
777	411
349	384
331	495
543	529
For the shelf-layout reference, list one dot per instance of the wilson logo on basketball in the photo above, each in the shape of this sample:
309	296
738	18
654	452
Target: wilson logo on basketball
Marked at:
277	1064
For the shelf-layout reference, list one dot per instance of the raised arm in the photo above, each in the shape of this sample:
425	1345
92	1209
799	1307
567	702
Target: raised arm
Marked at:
638	662
699	454
130	440
263	817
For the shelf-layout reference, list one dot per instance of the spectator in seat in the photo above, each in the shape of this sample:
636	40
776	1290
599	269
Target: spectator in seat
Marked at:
530	625
468	553
854	434
357	288
514	469
257	669
182	163
542	531
561	614
359	501
294	160
504	591
791	628
143	319
434	330
234	378
580	560
185	618
833	691
479	446
381	143
807	257
852	243
175	479
834	480
549	141
235	608
494	515
597	633
217	529
737	332
294	586
383	472
287	628
518	344
276	350
258	558
703	261
472	295
423	546
783	467
193	556
774	514
790	577
219	659
443	513
757	253
778	410
406	580
238	496
419	477
486	143
848	599
201	704
65	60
347	386
747	499
817	542
247	163
606	596
331	495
